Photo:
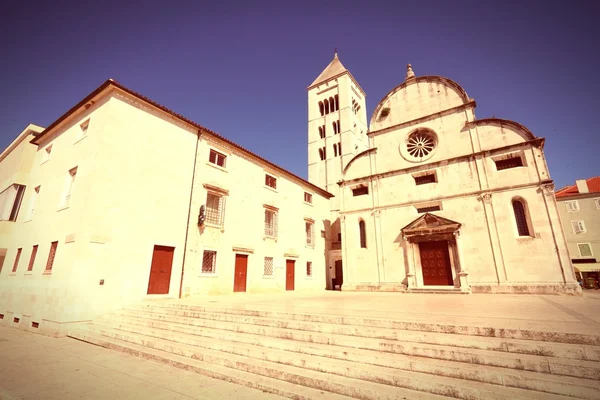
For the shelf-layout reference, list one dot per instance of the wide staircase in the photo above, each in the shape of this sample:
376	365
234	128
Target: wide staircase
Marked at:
316	356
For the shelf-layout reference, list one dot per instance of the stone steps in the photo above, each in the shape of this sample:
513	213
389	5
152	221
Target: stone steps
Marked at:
295	383
366	358
550	365
456	329
336	360
541	348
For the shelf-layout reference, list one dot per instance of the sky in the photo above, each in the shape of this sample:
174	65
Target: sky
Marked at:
242	68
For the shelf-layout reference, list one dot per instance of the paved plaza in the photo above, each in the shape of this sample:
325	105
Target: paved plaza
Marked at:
38	367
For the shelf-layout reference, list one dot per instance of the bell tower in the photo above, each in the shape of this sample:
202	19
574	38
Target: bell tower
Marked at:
337	126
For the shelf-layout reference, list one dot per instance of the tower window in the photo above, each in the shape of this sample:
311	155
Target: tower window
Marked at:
360	191
321	108
337	102
339	129
363	234
334	127
321	132
335	152
321	154
520	211
326	102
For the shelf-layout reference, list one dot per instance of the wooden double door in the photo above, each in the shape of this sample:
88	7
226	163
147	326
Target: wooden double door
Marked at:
160	270
435	263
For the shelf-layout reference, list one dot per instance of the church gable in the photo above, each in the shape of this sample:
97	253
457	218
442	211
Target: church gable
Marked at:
430	224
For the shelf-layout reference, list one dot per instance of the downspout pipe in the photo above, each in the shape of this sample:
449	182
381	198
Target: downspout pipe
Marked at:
187	227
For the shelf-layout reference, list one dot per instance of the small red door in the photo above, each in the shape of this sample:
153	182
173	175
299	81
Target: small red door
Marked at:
289	274
160	270
241	270
435	263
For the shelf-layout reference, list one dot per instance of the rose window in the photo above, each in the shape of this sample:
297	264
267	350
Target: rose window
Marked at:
420	144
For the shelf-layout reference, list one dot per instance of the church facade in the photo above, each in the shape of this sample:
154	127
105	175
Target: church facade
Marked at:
429	198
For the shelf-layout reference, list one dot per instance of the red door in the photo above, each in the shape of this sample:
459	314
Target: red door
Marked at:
160	270
435	263
289	274
241	270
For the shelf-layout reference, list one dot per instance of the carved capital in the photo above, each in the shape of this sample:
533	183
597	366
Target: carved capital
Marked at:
456	233
548	189
485	198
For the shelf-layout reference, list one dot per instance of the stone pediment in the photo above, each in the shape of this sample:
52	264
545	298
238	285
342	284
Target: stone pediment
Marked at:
430	224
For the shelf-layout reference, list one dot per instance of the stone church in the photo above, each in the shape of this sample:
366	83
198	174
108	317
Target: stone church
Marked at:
429	198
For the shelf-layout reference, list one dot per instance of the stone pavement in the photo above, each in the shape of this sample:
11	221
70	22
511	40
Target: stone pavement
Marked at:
545	313
37	367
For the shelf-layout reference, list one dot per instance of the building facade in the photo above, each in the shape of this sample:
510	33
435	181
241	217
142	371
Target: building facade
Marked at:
121	199
579	208
431	199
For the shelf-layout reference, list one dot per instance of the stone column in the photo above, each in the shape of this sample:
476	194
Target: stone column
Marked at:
410	256
462	271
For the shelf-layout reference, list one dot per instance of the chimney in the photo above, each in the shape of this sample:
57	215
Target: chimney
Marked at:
582	186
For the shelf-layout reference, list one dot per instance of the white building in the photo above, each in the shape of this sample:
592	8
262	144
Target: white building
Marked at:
430	198
121	199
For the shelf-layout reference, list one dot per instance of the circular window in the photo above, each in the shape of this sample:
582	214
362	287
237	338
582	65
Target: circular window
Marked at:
419	145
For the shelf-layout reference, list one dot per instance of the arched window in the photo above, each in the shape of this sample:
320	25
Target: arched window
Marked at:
326	102
331	104
335	127
321	154
520	210
340	148
321	108
321	132
337	103
363	234
335	150
339	129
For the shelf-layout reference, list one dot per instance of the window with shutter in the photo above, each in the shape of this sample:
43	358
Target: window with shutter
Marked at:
578	227
217	158
572	205
270	223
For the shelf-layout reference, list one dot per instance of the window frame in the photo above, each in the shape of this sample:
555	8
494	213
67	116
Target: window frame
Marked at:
213	270
309	231
271	231
581	223
308	196
523	222
270	179
51	257
221	199
589	245
32	257
17	260
309	269
572	202
217	156
267	260
362	233
361	190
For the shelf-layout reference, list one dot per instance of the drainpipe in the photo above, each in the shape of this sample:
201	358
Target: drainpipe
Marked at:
187	227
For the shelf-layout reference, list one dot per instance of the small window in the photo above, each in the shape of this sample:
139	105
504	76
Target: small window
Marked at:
66	201
308	268
425	179
421	210
51	256
585	249
270	223
270	181
520	211
572	205
308	197
335	153
578	227
363	234
512	162
360	191
322	154
209	262
32	258
310	233
215	209
217	158
268	271
32	204
339	128
83	129
321	108
46	153
17	258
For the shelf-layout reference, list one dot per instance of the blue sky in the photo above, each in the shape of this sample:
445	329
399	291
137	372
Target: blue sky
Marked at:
242	69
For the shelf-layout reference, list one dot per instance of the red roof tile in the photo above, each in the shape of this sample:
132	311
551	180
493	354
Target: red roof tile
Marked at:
592	183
